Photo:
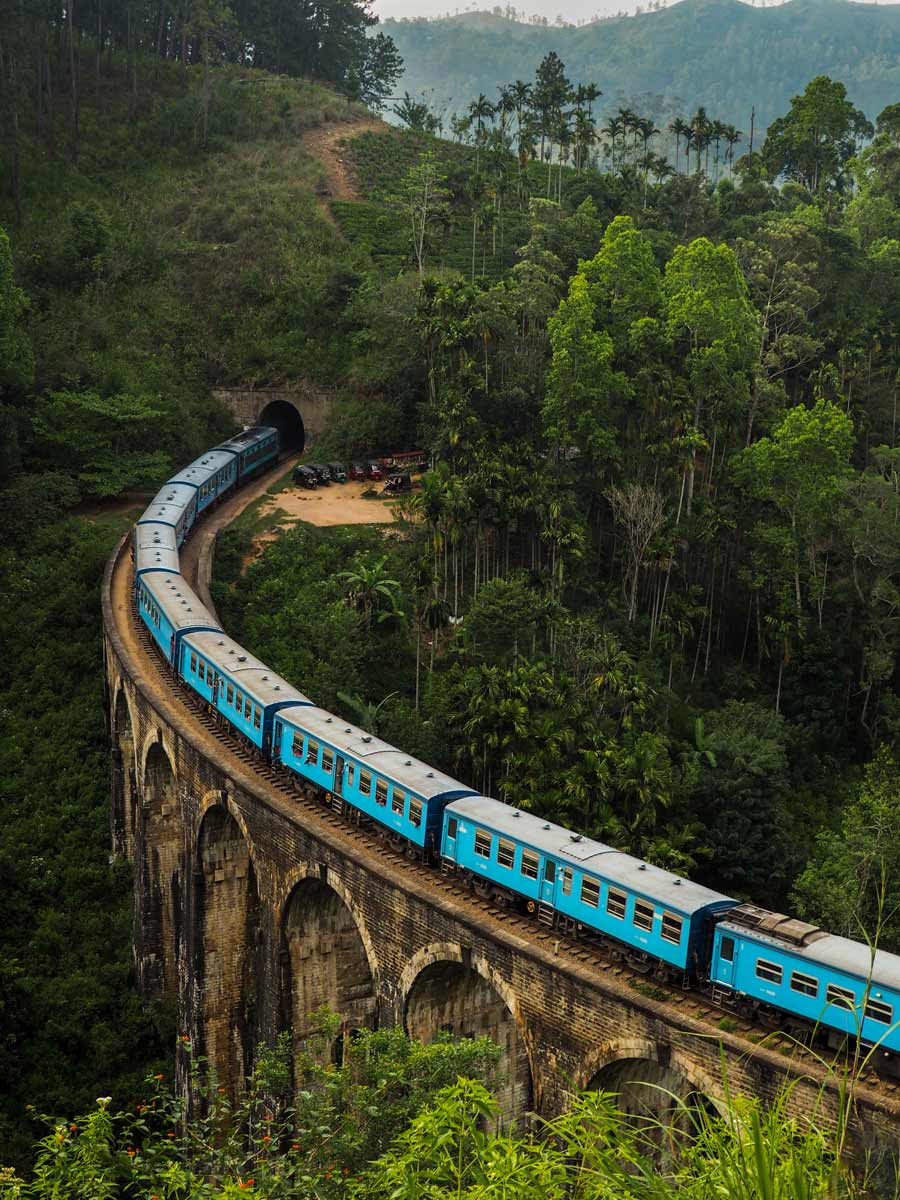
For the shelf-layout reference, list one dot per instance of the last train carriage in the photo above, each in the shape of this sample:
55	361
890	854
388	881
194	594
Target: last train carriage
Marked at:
788	973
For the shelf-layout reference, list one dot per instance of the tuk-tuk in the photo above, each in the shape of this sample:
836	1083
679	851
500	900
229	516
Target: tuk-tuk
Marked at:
305	477
357	471
321	471
374	469
338	474
397	483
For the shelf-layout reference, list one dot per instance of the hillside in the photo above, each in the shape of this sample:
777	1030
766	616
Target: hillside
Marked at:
719	53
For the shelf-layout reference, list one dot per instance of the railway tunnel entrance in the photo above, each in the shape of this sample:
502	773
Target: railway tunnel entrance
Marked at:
287	420
323	963
455	998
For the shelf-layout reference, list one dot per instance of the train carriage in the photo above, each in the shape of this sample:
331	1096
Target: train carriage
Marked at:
237	685
171	610
399	792
776	961
254	449
175	505
212	475
653	912
155	549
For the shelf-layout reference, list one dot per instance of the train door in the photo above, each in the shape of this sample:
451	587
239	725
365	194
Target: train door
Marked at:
338	775
548	881
727	956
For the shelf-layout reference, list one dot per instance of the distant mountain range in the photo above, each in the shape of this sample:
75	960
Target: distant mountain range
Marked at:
722	54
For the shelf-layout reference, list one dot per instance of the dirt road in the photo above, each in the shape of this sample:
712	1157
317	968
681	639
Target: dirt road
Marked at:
337	504
323	143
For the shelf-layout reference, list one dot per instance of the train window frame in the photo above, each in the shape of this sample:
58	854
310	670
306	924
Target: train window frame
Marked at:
646	912
729	957
327	760
381	792
415	812
297	744
312	752
248	708
667	928
506	853
775	971
591	886
884	1015
364	787
257	717
398	801
349	772
616	901
530	864
194	664
452	827
483	843
566	880
841	997
804	985
229	696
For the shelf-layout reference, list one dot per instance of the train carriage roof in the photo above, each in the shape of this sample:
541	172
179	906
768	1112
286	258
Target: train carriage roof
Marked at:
169	503
416	776
181	606
203	469
247	672
245	439
594	857
818	947
155	546
327	727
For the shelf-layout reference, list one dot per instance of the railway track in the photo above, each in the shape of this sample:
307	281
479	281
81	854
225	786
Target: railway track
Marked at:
359	839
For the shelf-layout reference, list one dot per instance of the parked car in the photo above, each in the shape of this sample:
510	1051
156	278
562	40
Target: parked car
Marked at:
374	470
322	473
338	473
397	483
305	477
357	471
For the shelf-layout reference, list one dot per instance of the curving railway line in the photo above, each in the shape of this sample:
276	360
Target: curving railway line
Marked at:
171	715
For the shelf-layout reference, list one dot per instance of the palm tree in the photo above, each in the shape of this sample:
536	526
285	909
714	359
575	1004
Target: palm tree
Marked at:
370	591
732	136
681	129
366	714
700	125
612	129
717	132
480	110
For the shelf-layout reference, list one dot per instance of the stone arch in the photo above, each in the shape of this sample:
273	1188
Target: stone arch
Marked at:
326	957
230	953
656	1086
159	878
445	987
124	776
287	419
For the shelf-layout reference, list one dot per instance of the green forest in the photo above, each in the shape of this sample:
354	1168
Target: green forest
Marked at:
649	588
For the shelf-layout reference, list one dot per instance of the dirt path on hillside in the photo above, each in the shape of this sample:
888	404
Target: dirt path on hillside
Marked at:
323	143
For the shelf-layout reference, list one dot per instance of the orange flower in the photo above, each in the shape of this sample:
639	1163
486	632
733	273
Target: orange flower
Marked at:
266	1138
295	1145
221	1091
170	1134
159	1076
73	1129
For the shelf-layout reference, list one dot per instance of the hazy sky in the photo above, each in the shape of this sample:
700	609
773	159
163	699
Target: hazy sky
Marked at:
570	10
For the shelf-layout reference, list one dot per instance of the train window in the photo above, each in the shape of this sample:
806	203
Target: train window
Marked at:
257	718
549	871
312	752
194	663
247	710
529	864
590	893
506	853
567	881
230	697
769	971
726	949
415	813
380	792
671	928
643	915
398	802
365	783
351	771
327	760
807	985
876	1011
483	843
615	904
296	743
840	997
451	827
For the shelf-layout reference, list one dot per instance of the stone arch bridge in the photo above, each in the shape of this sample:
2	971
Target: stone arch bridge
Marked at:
255	906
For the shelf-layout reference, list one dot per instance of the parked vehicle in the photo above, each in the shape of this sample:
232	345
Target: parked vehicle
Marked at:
397	483
321	471
374	470
357	471
305	477
410	460
338	472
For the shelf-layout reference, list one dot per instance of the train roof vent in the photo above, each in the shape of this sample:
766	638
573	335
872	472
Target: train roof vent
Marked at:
220	642
778	925
429	775
276	687
576	837
242	658
367	737
408	763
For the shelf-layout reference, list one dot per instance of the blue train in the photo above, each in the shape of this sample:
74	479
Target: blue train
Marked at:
764	965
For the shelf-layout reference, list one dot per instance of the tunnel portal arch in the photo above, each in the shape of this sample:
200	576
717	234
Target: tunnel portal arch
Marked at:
286	418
